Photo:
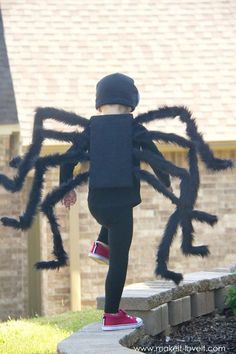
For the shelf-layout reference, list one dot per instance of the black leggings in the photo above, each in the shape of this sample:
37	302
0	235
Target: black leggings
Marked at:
103	235
119	223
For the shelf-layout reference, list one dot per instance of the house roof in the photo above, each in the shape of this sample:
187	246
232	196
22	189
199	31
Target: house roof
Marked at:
8	112
178	52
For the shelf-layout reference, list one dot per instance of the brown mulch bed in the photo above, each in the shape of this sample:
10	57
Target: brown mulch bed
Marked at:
213	333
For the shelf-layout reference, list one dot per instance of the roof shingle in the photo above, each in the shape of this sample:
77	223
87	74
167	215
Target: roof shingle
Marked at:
8	112
177	52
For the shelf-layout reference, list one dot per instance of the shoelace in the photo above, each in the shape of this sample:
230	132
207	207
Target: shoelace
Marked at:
125	313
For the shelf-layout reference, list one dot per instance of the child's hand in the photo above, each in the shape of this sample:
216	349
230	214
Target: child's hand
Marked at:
69	199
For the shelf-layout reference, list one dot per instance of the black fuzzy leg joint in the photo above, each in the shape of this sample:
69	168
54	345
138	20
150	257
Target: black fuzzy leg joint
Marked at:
195	137
15	161
42	164
47	207
23	165
26	220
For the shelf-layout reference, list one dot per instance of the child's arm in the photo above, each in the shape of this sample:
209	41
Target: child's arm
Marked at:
66	173
66	169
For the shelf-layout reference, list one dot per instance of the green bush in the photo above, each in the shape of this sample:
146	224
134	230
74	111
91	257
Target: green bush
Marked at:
230	298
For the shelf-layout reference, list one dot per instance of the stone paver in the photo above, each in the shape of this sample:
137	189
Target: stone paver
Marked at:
179	310
202	303
141	299
220	297
148	295
155	320
91	339
205	281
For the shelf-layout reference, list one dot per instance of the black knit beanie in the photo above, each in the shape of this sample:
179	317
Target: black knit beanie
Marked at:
117	89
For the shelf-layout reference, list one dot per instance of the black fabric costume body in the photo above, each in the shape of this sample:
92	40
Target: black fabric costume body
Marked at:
137	145
115	196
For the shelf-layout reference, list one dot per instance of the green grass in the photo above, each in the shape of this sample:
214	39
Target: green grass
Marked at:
40	335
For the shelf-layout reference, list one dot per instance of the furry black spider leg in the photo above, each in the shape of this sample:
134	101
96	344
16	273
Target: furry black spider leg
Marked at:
164	248
26	220
188	237
58	249
70	137
69	118
194	185
185	201
159	163
50	134
189	188
188	192
196	138
15	161
186	222
204	217
166	137
156	184
193	163
192	157
47	208
141	138
26	163
170	230
42	164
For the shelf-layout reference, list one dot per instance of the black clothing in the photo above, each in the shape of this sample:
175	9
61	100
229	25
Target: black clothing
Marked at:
103	235
115	196
118	221
117	89
118	196
111	151
113	207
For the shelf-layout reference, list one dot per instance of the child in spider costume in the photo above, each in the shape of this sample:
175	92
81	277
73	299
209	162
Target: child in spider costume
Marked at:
111	200
115	144
111	89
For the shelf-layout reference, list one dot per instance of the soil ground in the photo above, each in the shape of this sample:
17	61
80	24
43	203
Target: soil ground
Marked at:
214	333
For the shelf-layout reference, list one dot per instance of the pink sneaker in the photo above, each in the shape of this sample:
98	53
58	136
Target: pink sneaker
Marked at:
121	320
99	252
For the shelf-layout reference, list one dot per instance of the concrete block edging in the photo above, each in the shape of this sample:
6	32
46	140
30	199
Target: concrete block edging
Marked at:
200	293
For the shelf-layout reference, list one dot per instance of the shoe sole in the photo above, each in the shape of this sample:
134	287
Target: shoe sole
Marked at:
119	327
99	259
